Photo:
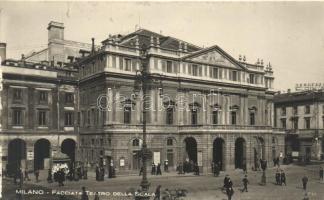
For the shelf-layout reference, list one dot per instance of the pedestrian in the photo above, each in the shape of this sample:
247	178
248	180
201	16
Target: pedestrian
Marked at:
321	173
215	169
157	193
158	169
26	174
96	196
283	178
36	174
21	177
229	189
245	183
153	171
305	180
61	177
49	177
278	179
166	165
97	172
85	172
84	195
226	179
197	169
141	171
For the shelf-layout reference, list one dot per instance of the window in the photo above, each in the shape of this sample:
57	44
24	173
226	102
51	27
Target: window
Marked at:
251	78
215	117
88	117
92	141
17	94
121	63
169	66
194	70
42	118
273	140
295	110
283	123
214	72
295	122
101	142
69	97
169	116
68	119
169	142
127	115
194	117
109	141
233	117
283	111
307	109
17	117
135	142
252	118
234	75
128	64
307	122
42	96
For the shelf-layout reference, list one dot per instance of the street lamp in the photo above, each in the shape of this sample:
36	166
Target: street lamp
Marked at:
144	81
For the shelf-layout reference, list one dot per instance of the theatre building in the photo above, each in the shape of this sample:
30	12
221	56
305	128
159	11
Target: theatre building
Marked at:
301	114
205	106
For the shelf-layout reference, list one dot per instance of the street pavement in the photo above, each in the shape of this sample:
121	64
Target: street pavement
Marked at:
204	187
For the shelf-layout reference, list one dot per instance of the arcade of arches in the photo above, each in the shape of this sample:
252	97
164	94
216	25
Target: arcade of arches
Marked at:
35	155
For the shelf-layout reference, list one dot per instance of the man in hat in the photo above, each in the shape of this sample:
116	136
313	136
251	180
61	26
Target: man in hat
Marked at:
245	183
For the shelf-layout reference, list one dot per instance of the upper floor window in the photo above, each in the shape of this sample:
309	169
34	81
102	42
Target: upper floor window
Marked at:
127	114
17	94
283	111
194	117
213	72
42	118
17	117
307	122
295	123
69	97
252	118
215	116
42	96
68	121
128	64
233	117
283	123
295	110
195	70
234	76
169	142
307	109
251	78
169	116
169	66
136	142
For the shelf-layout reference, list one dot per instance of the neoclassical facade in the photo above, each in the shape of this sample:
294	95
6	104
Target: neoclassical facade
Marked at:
204	105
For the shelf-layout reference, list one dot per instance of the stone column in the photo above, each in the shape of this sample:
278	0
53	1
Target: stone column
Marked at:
117	106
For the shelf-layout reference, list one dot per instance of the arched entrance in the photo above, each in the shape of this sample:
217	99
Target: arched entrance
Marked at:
136	145
240	156
259	151
218	152
16	153
190	149
68	147
41	151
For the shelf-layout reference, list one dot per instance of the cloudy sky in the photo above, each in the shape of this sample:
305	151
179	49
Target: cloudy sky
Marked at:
290	35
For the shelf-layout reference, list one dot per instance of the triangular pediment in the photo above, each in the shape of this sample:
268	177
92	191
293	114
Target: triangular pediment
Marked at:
214	56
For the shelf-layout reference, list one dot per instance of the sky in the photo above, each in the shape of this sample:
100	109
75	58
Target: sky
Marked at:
289	35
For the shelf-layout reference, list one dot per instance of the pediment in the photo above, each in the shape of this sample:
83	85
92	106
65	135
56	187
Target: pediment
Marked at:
214	56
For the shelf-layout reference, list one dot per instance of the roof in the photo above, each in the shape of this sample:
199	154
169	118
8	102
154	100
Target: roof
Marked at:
144	37
299	96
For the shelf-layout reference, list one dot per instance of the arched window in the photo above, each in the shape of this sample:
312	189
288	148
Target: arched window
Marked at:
135	142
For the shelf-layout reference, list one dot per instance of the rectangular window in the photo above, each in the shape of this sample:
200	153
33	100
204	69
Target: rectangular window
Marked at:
68	118
252	118
169	116
194	70
283	111
307	109
69	97
295	122
215	117
127	115
169	66
121	64
17	117
283	123
214	72
42	96
128	64
234	75
113	61
251	79
17	94
194	117
233	117
295	110
307	123
88	117
42	118
155	63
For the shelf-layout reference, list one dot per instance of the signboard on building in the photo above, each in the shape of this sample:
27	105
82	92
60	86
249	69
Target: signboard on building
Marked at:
309	86
157	157
122	162
108	153
30	155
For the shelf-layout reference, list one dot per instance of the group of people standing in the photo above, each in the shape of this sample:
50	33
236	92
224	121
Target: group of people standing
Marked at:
188	167
23	175
156	169
280	177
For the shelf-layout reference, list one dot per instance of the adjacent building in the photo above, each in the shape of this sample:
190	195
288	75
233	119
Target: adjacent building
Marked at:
204	105
301	114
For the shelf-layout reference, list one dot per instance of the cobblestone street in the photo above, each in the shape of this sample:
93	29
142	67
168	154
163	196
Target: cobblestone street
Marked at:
206	187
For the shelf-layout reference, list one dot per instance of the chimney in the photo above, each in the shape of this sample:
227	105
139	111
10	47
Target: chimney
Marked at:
3	51
55	30
93	46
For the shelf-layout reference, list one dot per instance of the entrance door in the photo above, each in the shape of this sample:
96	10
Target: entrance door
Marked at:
218	152
240	153
170	158
136	160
